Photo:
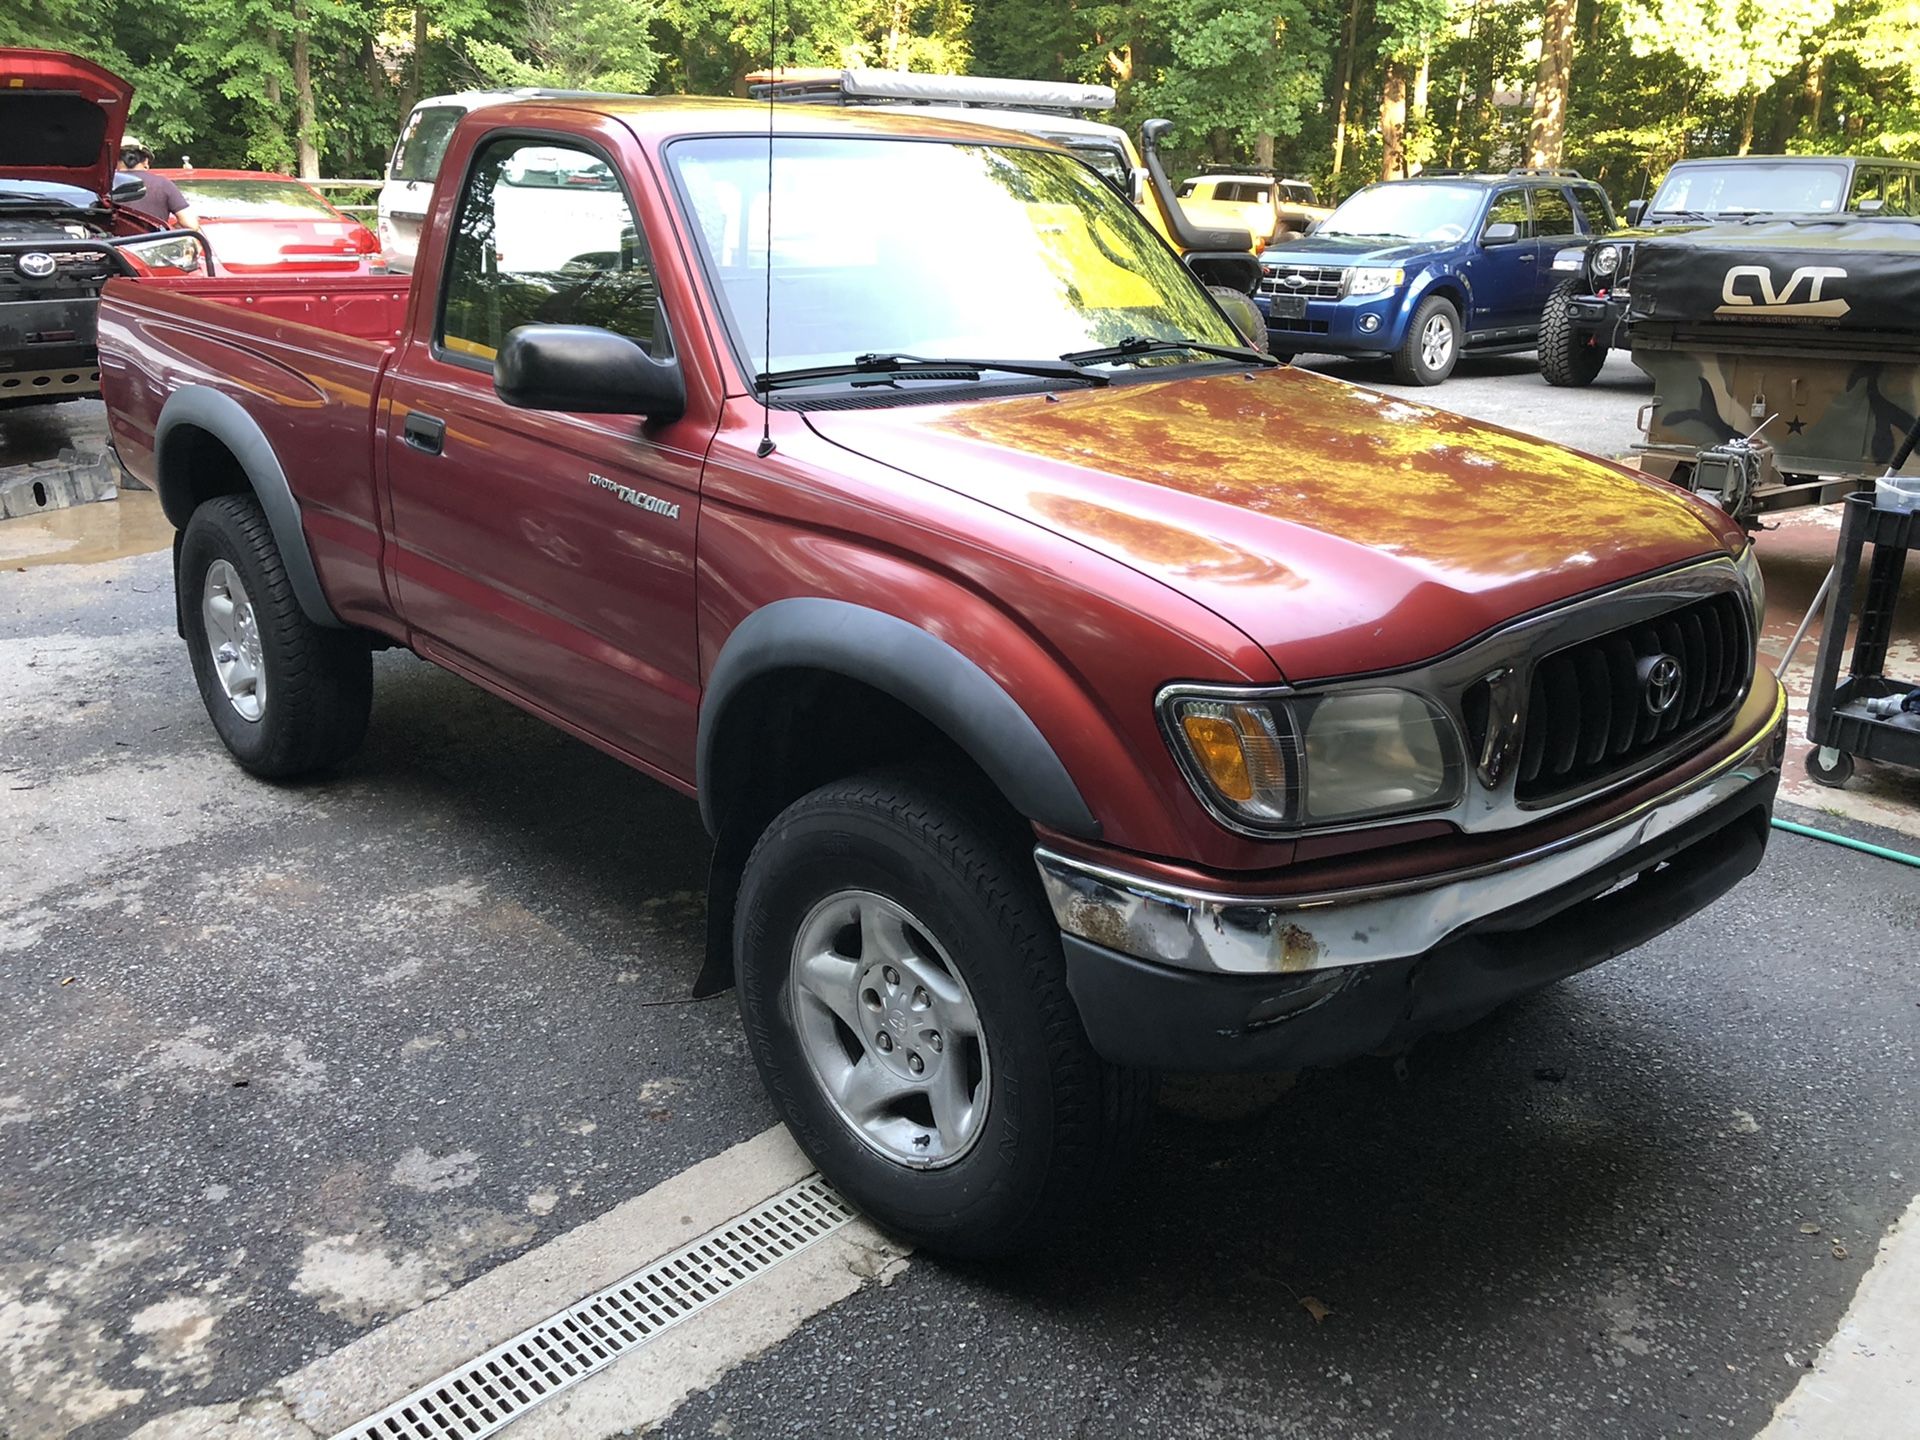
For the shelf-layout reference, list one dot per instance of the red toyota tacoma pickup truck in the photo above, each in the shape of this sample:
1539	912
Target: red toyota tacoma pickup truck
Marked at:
1071	693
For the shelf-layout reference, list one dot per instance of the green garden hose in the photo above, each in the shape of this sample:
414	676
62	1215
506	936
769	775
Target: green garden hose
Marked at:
1864	847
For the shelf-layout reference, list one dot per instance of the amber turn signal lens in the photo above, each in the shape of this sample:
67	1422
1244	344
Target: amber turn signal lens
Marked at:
1215	745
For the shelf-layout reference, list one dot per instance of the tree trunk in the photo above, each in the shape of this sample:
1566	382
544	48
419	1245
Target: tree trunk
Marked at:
1393	120
1344	88
306	136
1546	143
1415	141
1786	111
415	84
1746	122
1816	94
1263	151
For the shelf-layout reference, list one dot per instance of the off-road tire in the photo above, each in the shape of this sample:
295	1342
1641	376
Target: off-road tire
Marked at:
1569	356
319	688
1410	366
1060	1122
1244	314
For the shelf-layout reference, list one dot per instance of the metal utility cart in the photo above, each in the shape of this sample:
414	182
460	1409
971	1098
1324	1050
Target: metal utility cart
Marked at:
1837	719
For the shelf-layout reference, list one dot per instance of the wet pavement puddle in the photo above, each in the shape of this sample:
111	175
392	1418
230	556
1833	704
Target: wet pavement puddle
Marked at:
86	534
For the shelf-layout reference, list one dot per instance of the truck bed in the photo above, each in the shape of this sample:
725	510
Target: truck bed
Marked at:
304	357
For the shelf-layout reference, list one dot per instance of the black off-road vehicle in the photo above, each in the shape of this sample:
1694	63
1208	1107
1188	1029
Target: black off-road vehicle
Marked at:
1586	314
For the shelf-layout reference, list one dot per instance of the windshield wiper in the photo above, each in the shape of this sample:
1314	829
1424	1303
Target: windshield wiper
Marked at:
1136	346
885	368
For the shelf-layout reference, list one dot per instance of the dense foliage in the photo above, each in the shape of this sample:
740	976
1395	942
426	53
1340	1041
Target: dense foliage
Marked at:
1357	87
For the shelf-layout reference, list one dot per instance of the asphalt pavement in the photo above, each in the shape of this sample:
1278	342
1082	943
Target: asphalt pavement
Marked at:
308	1093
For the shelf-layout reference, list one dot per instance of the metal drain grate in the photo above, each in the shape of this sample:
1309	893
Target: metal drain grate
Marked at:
497	1388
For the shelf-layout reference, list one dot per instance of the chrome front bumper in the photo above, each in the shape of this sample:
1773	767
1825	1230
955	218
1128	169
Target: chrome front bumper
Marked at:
1238	935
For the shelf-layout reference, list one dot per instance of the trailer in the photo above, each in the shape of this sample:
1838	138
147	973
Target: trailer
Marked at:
1785	357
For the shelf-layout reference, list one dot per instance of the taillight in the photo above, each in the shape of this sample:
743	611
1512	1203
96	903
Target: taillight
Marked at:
365	241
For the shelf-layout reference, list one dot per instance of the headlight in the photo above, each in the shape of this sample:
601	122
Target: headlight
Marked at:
1371	280
1281	763
1606	260
1756	583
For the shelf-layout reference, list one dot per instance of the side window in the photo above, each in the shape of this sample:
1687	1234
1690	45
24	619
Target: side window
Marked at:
1900	196
1552	214
1509	207
544	236
1866	186
1596	214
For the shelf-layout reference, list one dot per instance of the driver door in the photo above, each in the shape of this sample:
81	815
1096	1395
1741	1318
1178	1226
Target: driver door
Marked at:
1506	273
548	555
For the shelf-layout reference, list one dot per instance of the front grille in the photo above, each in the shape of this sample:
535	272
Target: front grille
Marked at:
1318	282
1588	717
1302	326
71	267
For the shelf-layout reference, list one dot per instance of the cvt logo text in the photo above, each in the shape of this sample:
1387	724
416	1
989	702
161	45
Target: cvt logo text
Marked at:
1748	291
652	503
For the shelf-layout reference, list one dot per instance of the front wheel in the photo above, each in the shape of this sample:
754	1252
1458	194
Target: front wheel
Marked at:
1569	356
906	1003
1432	347
286	696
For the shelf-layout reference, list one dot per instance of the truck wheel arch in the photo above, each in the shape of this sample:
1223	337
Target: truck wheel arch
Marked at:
908	664
850	654
197	416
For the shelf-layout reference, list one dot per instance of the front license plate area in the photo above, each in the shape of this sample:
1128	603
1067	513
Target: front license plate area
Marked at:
1290	307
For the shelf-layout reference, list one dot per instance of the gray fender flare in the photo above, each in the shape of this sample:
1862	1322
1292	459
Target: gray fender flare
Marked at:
916	668
228	422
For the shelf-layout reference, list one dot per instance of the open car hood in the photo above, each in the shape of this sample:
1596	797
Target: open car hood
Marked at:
61	119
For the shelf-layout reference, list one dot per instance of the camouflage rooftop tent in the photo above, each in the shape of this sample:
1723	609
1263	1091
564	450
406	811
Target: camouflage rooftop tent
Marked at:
1851	275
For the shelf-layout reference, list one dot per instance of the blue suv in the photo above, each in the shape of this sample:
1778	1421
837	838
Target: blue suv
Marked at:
1415	271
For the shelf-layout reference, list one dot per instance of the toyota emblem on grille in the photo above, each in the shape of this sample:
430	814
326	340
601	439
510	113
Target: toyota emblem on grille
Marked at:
38	264
1660	678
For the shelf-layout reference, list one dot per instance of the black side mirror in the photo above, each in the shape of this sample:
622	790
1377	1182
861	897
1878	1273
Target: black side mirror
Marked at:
1635	209
1501	232
127	189
586	369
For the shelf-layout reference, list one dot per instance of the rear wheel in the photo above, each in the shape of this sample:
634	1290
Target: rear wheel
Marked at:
286	696
1569	355
906	1003
1432	347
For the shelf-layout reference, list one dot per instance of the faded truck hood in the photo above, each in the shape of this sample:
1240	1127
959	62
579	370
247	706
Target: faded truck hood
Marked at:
1343	530
61	118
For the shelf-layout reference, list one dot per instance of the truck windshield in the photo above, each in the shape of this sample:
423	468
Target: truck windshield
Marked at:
1406	212
915	248
1750	187
424	141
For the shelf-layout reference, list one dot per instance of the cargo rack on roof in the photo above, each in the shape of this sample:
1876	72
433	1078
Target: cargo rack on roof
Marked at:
866	87
1562	172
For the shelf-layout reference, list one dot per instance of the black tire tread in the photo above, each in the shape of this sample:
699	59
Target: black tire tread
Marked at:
322	687
1407	367
1564	360
1103	1111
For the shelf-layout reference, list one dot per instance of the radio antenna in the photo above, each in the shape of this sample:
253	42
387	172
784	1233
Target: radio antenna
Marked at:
766	354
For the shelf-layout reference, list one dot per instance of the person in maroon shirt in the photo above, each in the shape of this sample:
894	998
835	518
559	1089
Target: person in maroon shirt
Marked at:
163	197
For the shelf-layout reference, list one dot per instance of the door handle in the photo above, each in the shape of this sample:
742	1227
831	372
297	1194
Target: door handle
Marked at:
1528	259
424	432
